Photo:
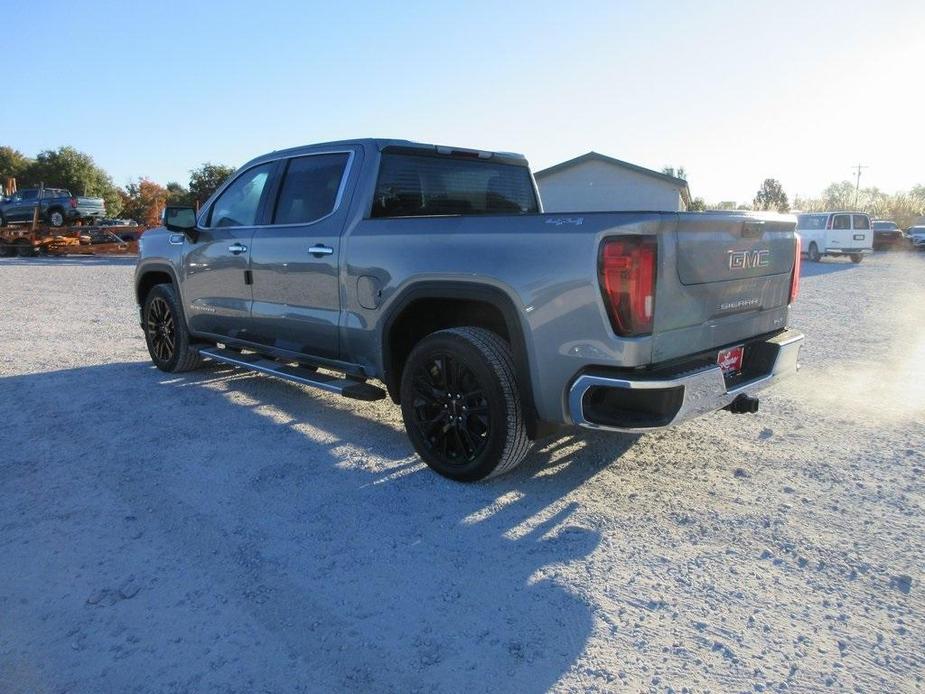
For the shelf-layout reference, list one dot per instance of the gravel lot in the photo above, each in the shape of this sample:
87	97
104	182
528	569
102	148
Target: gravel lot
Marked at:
219	531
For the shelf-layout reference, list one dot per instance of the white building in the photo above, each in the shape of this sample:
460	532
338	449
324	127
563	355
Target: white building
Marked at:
597	183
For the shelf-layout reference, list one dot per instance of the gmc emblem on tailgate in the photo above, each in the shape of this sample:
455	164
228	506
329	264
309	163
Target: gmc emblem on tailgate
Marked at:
743	260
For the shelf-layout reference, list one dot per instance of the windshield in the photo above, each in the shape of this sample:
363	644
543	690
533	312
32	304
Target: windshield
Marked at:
885	226
811	221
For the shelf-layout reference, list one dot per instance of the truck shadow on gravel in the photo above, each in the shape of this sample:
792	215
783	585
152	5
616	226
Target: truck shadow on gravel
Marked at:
303	530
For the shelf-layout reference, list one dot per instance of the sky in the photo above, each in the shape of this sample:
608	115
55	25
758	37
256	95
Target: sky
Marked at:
733	92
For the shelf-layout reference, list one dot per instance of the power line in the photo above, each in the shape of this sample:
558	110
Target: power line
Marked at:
857	185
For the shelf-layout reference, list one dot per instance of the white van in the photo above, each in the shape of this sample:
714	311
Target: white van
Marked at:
835	233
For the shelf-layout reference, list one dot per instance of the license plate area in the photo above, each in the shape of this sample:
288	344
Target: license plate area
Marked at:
730	359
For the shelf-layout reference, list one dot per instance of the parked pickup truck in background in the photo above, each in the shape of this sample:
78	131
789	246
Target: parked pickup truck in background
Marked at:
434	271
57	207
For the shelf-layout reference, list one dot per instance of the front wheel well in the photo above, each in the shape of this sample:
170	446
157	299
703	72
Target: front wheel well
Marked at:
149	280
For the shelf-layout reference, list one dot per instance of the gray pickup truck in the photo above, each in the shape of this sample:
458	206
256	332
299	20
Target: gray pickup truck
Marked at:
434	272
56	206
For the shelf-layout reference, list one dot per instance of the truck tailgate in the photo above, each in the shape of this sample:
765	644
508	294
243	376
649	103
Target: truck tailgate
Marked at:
90	203
723	278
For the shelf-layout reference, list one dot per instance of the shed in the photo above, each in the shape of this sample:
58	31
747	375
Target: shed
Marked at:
595	182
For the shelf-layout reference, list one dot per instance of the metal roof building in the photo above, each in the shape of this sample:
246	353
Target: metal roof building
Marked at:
597	183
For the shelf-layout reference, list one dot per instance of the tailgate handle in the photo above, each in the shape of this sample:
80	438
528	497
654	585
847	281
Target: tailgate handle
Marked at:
753	229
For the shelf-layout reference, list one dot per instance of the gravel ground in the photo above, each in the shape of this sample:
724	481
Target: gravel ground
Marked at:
219	531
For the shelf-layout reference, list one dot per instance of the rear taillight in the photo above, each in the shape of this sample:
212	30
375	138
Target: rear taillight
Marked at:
795	278
74	203
627	275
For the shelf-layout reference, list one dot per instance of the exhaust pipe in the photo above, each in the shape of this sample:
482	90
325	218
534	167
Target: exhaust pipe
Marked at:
743	404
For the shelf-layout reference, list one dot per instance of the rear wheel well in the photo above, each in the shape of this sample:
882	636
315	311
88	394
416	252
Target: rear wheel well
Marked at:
149	280
425	315
422	317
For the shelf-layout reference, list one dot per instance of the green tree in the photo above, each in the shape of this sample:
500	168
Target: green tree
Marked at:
680	172
904	208
178	195
13	164
839	196
697	205
69	168
204	180
771	196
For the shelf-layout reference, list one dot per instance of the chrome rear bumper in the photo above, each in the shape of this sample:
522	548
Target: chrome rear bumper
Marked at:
687	395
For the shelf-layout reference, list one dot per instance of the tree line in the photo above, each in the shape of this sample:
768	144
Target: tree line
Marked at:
904	207
142	200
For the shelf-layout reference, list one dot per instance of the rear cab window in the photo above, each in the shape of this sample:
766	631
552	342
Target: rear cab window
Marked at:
311	188
842	221
425	184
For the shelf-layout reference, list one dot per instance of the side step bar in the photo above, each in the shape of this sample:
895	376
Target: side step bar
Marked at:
297	374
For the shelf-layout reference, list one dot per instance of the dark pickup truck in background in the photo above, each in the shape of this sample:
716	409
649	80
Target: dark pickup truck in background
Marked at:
57	207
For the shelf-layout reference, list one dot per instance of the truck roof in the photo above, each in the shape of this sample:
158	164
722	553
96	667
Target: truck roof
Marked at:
380	144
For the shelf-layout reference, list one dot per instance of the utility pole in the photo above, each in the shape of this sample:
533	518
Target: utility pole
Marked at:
857	185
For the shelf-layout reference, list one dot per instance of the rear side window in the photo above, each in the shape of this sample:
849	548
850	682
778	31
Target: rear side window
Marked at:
861	221
842	221
30	194
811	221
412	185
310	187
237	206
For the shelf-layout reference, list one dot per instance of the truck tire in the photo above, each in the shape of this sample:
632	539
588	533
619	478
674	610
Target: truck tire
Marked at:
168	339
814	255
856	258
6	249
460	404
56	217
2	220
24	249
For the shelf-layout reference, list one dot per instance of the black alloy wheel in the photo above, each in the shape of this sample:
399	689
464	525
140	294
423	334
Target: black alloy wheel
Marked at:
169	341
450	410
161	330
461	404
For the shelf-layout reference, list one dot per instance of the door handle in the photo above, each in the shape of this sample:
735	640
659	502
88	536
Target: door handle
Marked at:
320	249
237	248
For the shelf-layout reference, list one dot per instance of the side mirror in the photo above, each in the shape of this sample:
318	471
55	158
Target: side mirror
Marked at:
181	219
